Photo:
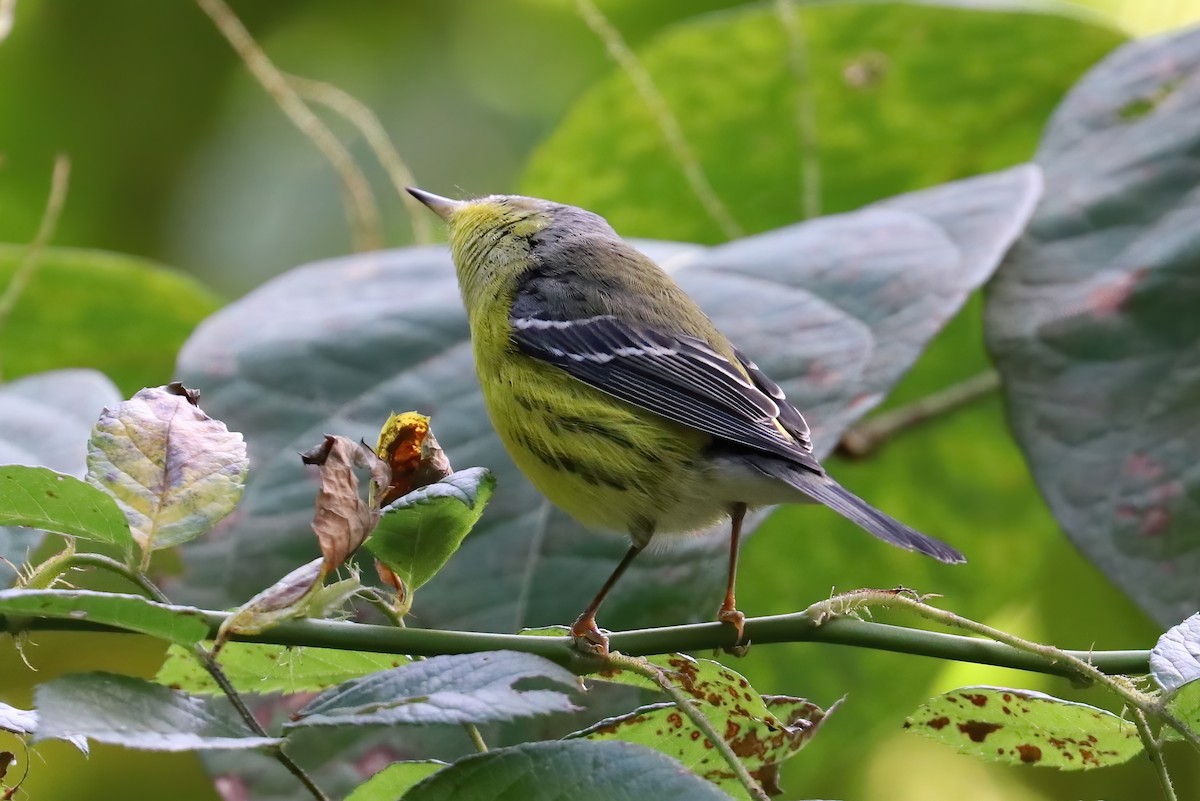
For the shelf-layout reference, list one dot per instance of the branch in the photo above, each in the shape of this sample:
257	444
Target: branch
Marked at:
361	211
865	438
796	627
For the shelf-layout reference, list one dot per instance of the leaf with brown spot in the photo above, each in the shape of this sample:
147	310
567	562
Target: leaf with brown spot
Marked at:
1022	727
762	731
343	517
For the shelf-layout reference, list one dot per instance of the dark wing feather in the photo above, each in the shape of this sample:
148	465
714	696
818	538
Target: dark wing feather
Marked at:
676	376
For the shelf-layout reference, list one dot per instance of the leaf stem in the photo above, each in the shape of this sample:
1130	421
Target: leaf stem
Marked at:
668	123
206	659
866	437
1154	752
59	181
685	704
361	211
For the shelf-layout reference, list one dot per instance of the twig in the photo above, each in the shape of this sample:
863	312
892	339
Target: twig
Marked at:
796	627
1083	667
803	107
668	124
686	704
365	120
865	438
361	211
1154	752
59	181
206	659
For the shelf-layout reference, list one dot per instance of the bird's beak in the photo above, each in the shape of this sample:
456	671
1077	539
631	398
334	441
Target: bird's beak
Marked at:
441	206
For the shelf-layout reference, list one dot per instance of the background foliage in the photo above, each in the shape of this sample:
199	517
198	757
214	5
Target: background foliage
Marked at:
179	158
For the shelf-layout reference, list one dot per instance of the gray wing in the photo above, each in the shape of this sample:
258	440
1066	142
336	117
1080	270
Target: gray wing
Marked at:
676	376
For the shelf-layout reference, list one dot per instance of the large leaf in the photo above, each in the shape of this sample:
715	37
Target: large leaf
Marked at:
1021	727
182	625
135	713
41	498
1175	659
892	90
576	770
463	688
1093	321
45	420
124	316
842	307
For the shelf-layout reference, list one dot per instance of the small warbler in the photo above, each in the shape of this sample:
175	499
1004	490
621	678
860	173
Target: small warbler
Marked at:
618	398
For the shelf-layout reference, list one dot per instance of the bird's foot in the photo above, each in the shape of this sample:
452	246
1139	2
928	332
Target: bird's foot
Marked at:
588	637
727	614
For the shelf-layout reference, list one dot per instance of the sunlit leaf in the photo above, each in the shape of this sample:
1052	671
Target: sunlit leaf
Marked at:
183	625
41	498
135	713
1093	322
393	781
1175	658
1021	727
463	688
262	668
576	769
173	470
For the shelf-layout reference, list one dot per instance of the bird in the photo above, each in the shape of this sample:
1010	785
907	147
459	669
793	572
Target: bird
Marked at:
618	398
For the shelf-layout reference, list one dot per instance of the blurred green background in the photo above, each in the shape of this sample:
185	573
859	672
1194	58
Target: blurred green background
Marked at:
179	157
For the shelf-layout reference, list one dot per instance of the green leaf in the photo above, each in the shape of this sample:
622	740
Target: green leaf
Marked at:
915	259
889	87
182	625
396	779
174	471
1175	658
262	668
418	533
135	713
761	746
41	498
124	316
1184	703
578	770
762	730
463	688
1018	727
1093	323
45	421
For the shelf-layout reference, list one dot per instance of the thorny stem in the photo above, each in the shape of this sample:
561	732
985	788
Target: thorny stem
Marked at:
361	211
686	704
361	116
1080	667
373	597
205	658
59	180
668	124
1154	752
865	438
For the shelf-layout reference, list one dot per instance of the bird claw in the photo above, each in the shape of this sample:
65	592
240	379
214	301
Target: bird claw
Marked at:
735	619
588	638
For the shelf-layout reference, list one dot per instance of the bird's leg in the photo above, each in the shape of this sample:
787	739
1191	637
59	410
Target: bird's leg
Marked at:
728	612
587	636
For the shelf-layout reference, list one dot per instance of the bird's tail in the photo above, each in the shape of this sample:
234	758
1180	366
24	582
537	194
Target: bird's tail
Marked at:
856	510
